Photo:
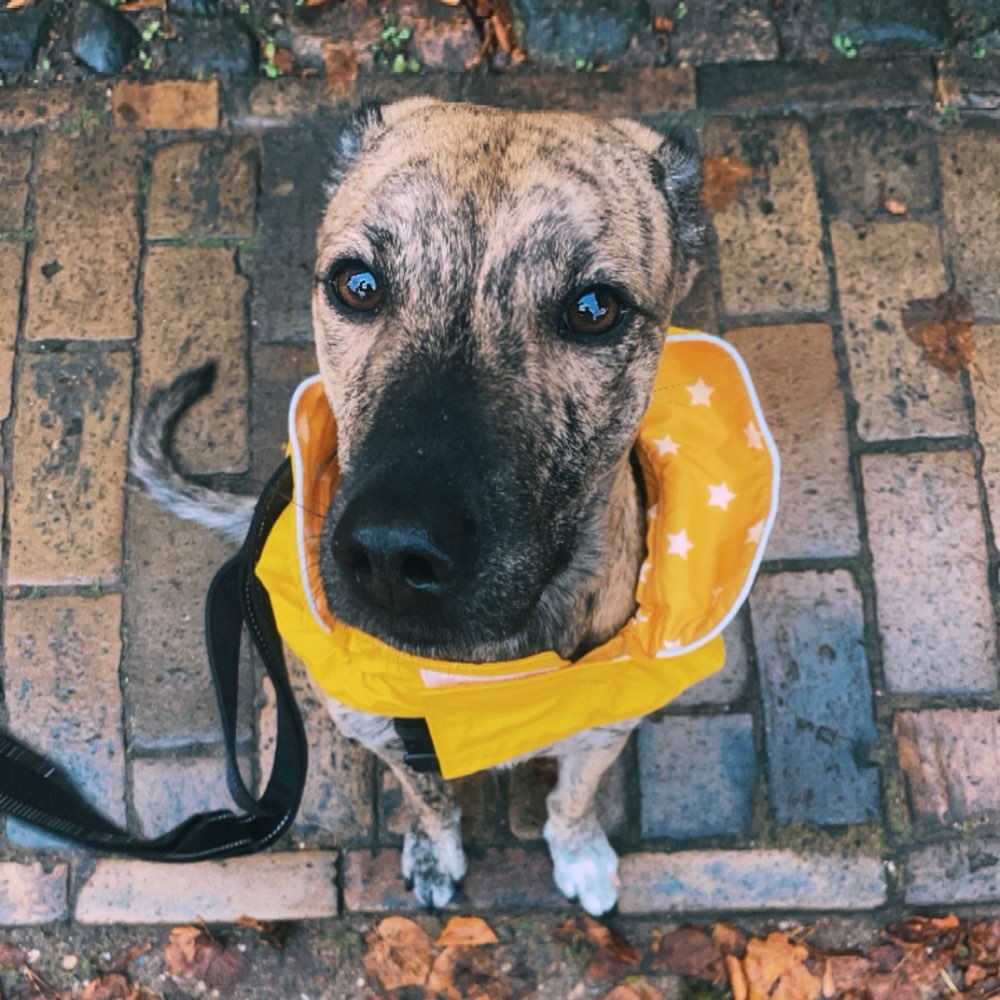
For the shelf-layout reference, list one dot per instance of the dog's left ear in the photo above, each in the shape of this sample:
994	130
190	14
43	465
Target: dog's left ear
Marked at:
676	169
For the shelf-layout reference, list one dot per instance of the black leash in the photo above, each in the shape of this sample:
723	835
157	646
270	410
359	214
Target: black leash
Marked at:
34	790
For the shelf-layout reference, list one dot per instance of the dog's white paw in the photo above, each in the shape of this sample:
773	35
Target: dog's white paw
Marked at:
434	866
584	865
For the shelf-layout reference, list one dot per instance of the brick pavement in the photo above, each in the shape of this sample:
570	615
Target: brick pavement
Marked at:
846	759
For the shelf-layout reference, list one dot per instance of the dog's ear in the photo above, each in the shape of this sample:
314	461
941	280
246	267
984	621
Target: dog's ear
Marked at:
676	169
368	122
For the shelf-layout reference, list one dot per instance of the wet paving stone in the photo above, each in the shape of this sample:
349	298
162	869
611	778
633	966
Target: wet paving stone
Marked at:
33	893
169	564
203	188
986	390
81	283
11	266
296	166
195	312
769	238
687	761
817	515
61	677
15	165
882	266
719	33
819	726
66	501
970	164
867	158
931	572
166	791
950	874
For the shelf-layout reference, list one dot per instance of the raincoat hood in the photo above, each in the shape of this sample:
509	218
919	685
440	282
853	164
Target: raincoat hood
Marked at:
711	474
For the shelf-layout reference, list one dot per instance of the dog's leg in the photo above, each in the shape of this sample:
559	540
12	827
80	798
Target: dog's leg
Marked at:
433	859
585	865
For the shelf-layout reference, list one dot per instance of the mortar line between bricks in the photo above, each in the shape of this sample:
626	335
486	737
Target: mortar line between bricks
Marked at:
124	631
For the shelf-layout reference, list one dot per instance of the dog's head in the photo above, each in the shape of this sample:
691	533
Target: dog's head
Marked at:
491	294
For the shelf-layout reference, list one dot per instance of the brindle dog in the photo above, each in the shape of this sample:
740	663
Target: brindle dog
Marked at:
491	293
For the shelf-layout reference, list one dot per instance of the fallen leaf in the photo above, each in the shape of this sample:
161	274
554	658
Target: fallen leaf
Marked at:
273	933
12	955
191	951
466	931
340	65
611	951
943	328
687	952
17	4
635	991
894	206
472	973
399	953
133	5
728	939
737	978
115	986
663	25
724	179
284	59
775	970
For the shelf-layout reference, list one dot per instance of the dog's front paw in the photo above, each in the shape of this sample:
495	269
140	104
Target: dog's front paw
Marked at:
433	866
584	865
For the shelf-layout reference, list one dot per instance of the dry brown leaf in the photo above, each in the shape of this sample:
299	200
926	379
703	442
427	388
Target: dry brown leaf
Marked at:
284	59
340	64
115	986
687	952
17	4
451	3
466	931
894	206
737	978
943	328
663	25
775	970
728	939
12	955
399	953
635	991
472	973
191	951
133	5
724	179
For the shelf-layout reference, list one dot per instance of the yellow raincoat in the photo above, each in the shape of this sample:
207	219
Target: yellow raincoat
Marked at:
711	472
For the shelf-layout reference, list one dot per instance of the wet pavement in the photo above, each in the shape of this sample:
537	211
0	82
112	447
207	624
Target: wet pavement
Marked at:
846	759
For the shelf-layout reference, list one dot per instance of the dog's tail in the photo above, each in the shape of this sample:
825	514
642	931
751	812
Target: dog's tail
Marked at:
152	463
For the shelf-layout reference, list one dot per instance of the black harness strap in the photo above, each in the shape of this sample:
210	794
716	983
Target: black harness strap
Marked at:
34	790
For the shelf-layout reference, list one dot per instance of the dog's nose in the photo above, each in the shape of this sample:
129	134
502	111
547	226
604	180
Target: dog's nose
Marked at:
400	562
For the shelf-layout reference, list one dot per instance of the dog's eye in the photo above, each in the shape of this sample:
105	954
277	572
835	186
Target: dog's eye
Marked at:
355	285
594	310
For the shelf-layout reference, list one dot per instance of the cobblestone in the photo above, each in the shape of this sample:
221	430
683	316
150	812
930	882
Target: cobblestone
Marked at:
499	878
890	157
33	893
769	239
68	468
167	790
819	728
167	104
931	572
295	167
986	391
686	762
817	515
298	885
169	565
728	684
15	164
949	758
194	311
203	188
61	681
951	874
696	881
970	159
81	282
880	267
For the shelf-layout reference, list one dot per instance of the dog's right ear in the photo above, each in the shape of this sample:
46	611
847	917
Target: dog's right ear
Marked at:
364	123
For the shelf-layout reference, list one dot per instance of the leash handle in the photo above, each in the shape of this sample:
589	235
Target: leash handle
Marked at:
33	789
